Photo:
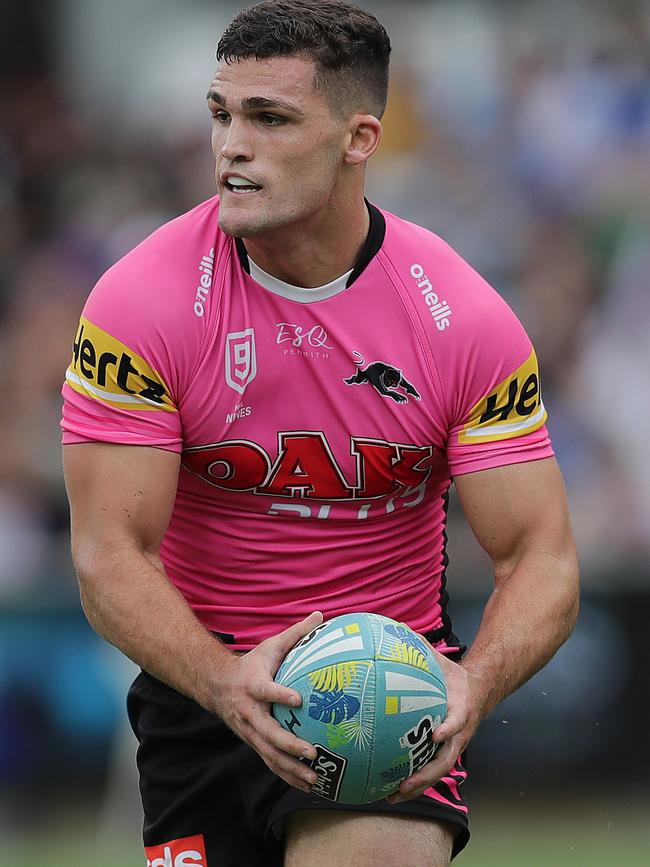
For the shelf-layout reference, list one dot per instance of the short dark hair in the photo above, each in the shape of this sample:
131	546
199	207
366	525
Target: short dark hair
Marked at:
348	45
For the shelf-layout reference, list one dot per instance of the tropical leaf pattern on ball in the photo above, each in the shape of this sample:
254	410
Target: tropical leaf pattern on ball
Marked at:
336	737
338	676
410	655
406	636
332	706
359	730
397	774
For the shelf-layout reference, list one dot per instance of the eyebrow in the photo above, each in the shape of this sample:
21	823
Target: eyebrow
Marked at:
251	103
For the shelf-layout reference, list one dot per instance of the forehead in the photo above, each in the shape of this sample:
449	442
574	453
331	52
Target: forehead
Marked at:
287	78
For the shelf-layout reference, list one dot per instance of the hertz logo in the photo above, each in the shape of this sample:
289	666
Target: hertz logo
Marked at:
107	370
512	409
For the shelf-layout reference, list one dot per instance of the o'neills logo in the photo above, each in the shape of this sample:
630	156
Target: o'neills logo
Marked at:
206	267
439	309
105	369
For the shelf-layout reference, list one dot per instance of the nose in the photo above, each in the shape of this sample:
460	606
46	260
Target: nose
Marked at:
236	146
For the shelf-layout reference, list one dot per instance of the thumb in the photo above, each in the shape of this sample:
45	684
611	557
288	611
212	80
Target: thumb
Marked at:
279	645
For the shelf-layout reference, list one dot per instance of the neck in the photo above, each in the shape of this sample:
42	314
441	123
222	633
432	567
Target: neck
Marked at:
318	250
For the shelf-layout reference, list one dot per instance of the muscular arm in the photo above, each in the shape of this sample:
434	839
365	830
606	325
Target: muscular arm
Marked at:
519	515
121	499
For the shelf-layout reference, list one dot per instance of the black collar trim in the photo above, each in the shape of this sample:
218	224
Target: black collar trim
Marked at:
243	255
375	239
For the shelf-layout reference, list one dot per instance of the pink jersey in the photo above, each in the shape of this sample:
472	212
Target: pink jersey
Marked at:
319	428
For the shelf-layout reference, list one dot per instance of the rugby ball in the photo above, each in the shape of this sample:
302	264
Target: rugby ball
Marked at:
372	695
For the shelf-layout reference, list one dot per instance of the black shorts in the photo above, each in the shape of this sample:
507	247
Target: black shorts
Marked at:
209	795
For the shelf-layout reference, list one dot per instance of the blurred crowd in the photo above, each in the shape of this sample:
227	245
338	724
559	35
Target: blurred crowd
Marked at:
520	133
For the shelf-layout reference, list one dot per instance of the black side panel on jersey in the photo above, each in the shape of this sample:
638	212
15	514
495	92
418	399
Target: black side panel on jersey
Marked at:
445	632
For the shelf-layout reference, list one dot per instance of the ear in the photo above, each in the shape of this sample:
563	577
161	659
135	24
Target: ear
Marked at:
364	138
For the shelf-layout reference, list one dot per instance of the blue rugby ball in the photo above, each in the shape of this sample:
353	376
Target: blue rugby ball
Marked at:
372	695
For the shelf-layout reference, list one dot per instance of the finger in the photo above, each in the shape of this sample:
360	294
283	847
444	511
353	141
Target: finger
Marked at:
254	717
272	732
264	689
279	645
452	724
292	771
446	731
399	798
428	776
284	641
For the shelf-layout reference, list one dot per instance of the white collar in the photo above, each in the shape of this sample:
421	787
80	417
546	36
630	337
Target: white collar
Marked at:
297	293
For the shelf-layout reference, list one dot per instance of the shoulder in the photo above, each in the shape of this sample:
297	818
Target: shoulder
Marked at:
164	273
151	310
480	350
448	293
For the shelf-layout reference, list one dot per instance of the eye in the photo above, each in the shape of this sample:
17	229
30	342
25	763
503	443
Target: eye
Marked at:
272	119
220	116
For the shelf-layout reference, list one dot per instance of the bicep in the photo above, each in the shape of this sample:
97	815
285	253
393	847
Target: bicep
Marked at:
518	508
119	494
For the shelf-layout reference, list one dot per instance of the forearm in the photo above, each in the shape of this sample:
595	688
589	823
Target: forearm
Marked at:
529	615
128	599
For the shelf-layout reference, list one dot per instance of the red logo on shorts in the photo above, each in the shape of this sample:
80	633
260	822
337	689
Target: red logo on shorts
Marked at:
187	852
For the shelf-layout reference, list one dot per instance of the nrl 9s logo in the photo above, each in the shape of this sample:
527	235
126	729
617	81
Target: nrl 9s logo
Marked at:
241	359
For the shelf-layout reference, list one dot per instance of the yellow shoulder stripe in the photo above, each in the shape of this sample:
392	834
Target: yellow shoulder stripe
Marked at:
512	409
105	369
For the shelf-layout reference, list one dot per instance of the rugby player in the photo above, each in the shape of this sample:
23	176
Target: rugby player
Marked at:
267	403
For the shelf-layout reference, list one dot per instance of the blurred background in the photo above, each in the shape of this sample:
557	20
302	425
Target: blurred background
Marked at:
520	132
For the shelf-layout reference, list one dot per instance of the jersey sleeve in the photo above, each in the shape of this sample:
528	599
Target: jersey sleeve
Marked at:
122	385
490	377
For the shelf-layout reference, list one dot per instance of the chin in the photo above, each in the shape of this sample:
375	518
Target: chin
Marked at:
242	225
232	227
237	225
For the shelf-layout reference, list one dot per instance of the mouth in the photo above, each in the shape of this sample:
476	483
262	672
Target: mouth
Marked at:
240	186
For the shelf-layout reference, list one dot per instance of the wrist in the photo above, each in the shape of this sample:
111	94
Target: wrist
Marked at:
216	675
480	688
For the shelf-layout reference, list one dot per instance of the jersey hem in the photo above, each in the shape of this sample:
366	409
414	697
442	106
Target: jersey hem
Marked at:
502	461
70	438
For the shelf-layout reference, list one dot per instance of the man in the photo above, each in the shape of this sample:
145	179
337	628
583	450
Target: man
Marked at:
267	401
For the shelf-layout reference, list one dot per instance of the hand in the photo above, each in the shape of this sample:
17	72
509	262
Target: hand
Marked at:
245	693
453	734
